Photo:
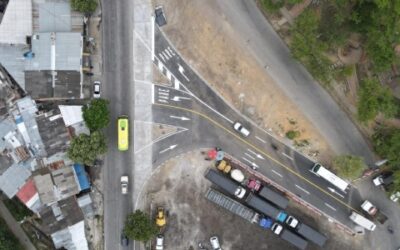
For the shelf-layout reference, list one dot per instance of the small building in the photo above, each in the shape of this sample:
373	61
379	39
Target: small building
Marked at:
29	196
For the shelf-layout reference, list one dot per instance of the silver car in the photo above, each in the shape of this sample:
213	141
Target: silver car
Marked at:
96	89
242	130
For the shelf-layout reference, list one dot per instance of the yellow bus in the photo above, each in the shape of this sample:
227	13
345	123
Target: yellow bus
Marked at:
123	133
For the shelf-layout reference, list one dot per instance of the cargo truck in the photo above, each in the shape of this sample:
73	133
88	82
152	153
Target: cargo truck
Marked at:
225	183
373	212
306	231
232	205
267	193
265	207
288	236
362	221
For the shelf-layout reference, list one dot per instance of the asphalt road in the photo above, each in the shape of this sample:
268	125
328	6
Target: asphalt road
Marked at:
117	86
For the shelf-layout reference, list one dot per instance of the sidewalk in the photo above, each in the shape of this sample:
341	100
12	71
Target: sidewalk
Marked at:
15	227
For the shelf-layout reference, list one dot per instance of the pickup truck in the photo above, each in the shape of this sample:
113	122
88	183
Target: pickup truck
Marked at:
373	212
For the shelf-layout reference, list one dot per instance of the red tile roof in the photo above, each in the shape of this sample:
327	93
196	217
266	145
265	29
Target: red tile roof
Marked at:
27	191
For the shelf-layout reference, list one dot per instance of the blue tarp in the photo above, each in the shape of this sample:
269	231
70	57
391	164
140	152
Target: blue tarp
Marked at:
82	177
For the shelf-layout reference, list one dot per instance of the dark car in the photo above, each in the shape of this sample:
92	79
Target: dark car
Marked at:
124	240
160	17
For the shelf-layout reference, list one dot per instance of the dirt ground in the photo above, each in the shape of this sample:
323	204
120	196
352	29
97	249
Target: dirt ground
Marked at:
179	185
211	46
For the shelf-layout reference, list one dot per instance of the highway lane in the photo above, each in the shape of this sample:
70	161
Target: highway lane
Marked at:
117	30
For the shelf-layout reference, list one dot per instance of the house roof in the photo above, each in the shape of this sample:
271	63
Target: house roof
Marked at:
83	179
16	24
54	17
27	191
55	51
71	114
45	187
13	179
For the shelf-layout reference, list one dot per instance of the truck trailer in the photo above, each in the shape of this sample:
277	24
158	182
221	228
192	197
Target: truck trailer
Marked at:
274	197
265	207
288	236
232	205
225	183
311	234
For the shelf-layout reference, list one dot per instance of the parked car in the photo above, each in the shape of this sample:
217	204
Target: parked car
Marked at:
395	196
124	184
160	17
384	179
96	89
240	129
160	219
160	242
124	240
215	243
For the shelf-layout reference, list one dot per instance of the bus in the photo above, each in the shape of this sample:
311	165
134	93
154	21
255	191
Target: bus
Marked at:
319	170
123	133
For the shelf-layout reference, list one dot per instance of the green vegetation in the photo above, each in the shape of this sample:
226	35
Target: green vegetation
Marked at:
292	134
307	48
96	114
7	239
373	99
18	210
387	145
138	226
272	5
85	148
349	166
84	6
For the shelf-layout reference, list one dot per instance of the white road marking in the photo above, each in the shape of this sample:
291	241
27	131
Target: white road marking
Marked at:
257	155
330	206
163	93
152	94
163	101
172	52
302	189
288	156
160	66
163	97
162	58
179	98
176	84
169	148
277	173
165	55
258	138
253	165
169	75
152	39
335	192
180	118
168	53
182	70
250	156
163	90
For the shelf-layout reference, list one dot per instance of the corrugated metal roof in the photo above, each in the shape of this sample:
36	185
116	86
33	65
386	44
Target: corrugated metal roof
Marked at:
54	17
17	22
82	177
11	57
12	179
71	114
27	191
67	52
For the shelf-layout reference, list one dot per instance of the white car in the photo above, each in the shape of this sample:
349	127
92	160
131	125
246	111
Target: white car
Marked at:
242	130
215	243
96	89
160	242
124	184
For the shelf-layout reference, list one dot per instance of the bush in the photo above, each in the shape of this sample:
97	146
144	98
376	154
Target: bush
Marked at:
292	134
138	226
84	6
349	166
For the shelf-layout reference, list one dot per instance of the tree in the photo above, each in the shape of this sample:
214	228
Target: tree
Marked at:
85	148
96	114
84	6
138	226
374	98
349	166
387	144
7	239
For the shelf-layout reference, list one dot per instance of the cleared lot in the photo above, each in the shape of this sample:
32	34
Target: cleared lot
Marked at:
179	185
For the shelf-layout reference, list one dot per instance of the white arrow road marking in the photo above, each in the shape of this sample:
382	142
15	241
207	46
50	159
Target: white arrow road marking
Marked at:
253	165
302	189
180	118
250	156
334	191
330	206
276	173
258	138
179	98
257	155
169	148
182	70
